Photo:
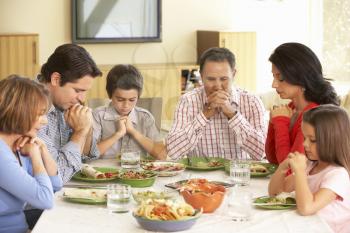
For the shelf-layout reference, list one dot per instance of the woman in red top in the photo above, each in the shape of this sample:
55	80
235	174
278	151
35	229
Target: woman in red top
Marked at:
297	75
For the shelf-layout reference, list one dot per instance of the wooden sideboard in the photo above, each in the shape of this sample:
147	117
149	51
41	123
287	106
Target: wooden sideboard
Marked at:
160	80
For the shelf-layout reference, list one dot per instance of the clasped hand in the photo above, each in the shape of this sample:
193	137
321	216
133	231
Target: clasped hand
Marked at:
124	125
79	118
30	146
281	110
219	101
295	161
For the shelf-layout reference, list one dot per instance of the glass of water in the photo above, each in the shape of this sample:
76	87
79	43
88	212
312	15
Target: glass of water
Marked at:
118	198
130	159
239	204
240	172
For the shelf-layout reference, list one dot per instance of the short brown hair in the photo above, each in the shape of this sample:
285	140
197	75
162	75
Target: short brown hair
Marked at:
72	62
332	131
217	55
21	101
125	77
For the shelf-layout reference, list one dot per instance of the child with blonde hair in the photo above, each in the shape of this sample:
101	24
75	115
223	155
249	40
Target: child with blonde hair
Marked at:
320	178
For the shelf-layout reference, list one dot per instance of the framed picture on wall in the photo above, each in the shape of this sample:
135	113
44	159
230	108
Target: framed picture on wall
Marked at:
113	21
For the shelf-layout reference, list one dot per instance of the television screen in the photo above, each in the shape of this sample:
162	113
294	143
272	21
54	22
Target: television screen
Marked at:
104	21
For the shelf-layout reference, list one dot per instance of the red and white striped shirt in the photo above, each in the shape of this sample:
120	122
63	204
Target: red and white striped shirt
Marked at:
242	137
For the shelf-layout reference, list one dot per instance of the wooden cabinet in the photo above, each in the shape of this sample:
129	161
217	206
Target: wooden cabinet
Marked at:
19	55
242	44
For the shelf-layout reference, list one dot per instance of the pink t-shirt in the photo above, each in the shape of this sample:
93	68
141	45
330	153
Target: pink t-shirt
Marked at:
336	179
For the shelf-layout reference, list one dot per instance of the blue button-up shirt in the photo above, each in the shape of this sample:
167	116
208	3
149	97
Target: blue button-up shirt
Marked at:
56	135
18	186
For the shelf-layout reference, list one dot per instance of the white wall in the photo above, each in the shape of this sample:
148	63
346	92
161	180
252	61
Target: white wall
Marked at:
276	21
51	19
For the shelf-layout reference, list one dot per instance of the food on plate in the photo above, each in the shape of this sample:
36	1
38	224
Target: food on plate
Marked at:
111	174
258	168
199	185
203	163
281	201
179	184
213	163
282	198
164	168
136	175
145	195
165	210
90	172
160	167
201	194
94	194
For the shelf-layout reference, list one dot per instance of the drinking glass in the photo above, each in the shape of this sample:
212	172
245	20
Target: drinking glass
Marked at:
118	198
240	172
240	204
130	159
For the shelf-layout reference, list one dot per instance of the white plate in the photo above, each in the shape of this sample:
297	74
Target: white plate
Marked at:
164	168
85	196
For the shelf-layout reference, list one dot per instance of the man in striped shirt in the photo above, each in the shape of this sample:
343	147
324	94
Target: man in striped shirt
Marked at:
218	120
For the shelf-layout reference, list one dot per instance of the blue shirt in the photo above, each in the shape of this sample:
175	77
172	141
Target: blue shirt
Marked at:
56	135
18	186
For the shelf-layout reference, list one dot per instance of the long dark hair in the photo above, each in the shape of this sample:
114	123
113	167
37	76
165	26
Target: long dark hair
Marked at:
332	131
300	66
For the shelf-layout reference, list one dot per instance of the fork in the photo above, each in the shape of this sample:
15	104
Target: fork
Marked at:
189	161
207	159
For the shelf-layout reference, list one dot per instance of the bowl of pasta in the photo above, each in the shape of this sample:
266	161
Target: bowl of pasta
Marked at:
166	215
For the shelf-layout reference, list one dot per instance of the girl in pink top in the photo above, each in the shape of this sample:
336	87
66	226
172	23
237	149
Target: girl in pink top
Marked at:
320	179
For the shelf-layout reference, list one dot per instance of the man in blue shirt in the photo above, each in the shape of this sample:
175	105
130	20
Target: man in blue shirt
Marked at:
68	74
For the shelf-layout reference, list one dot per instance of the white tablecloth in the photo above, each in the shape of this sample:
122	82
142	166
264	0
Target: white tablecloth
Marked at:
75	218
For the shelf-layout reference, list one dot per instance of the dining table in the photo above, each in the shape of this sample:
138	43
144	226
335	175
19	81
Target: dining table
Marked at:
82	218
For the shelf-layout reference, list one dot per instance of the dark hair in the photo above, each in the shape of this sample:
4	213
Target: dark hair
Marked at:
332	131
125	77
21	102
72	62
217	55
300	66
